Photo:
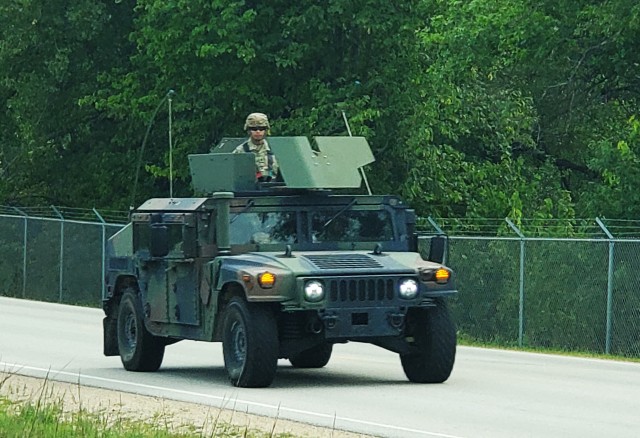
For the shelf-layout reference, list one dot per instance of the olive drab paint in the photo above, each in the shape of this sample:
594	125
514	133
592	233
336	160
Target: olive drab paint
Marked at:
312	266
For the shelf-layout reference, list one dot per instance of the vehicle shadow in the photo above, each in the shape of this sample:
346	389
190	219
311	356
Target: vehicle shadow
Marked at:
286	377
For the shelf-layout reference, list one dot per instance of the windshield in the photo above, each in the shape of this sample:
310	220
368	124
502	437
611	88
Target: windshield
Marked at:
268	227
263	228
351	226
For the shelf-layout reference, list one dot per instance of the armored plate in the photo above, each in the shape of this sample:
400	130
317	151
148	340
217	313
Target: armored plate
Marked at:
334	163
219	172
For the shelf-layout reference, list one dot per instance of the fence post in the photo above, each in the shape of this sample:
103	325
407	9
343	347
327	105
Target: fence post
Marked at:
521	304
104	242
24	251
61	251
607	345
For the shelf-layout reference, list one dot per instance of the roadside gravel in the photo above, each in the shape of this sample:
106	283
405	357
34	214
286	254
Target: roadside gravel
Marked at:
174	415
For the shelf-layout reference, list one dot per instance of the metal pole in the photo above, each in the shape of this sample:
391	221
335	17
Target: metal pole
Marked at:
24	252
104	257
170	150
521	303
607	346
434	225
61	251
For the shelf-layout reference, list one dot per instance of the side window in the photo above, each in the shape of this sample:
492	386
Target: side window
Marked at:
206	239
141	236
177	236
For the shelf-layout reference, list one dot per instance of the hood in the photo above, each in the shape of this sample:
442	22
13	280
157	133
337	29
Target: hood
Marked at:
320	263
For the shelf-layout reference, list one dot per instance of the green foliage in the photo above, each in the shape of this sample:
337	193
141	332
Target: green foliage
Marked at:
49	140
615	155
472	108
300	63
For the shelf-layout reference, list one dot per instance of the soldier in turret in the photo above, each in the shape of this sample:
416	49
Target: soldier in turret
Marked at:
257	127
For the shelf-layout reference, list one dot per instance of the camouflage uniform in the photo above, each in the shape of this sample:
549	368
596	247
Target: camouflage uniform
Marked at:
262	157
266	164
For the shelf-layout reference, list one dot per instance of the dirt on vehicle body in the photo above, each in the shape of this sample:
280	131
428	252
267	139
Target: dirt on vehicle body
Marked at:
279	270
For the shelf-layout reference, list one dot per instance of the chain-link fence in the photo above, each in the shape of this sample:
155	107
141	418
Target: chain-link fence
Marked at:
578	293
56	258
575	293
549	293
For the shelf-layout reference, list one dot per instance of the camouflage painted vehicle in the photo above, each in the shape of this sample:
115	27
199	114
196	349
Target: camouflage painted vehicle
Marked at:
278	270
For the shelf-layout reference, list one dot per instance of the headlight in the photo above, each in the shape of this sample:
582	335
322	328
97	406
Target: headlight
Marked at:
313	291
408	289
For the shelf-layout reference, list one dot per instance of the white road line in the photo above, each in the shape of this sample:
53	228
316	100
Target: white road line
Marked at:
17	368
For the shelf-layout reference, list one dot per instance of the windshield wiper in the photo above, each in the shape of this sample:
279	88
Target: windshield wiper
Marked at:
345	208
244	210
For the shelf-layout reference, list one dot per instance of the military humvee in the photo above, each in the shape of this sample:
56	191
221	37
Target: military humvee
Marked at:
278	270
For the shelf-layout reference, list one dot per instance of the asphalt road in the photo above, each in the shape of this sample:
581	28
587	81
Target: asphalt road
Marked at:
491	393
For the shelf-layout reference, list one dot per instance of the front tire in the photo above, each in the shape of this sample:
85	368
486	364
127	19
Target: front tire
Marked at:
434	339
316	357
139	350
250	344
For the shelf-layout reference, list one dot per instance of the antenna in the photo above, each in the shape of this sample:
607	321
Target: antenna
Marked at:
169	94
364	175
346	122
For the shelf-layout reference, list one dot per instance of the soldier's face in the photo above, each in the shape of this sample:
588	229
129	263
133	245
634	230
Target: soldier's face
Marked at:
257	133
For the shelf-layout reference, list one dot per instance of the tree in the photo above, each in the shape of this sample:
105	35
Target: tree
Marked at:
54	149
299	62
513	96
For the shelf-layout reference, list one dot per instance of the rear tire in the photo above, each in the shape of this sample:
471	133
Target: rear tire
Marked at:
250	344
139	350
434	336
315	357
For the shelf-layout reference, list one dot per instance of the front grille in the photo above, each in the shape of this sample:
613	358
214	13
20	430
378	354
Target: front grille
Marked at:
361	290
343	261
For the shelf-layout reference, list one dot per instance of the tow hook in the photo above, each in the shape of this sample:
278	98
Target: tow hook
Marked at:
330	321
396	320
314	326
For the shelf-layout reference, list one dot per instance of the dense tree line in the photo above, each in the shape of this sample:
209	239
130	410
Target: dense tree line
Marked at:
473	108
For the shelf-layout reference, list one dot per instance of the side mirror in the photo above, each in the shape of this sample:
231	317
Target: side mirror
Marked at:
159	245
438	249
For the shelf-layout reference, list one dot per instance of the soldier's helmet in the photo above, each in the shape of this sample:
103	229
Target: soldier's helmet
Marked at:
256	119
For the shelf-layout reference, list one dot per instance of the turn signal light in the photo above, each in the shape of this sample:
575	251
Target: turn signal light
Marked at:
266	280
442	275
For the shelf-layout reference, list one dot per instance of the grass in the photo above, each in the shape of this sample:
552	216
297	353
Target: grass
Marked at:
45	414
472	342
49	419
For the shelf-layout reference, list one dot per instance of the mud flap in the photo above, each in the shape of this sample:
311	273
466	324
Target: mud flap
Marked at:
110	336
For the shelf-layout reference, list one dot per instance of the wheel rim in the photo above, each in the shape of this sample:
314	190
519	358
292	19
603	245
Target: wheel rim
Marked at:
127	331
130	331
238	343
